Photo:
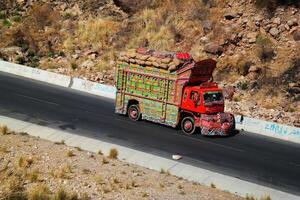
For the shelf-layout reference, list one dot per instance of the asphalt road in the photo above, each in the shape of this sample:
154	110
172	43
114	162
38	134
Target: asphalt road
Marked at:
266	161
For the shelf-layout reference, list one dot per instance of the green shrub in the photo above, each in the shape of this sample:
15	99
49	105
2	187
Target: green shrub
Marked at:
17	18
265	48
74	66
6	23
2	15
243	85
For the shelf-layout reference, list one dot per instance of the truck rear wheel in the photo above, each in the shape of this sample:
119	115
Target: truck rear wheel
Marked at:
188	125
134	112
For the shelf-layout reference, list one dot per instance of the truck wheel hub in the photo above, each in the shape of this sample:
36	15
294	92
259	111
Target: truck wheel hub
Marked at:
188	125
133	113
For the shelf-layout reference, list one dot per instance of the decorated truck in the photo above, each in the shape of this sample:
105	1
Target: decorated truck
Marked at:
172	89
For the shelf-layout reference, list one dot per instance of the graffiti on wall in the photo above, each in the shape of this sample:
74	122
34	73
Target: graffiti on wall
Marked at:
278	129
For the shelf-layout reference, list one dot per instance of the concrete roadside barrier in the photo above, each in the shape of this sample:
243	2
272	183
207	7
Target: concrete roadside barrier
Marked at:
266	128
36	74
93	88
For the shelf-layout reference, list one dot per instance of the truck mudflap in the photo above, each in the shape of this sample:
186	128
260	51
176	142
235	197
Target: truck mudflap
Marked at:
221	124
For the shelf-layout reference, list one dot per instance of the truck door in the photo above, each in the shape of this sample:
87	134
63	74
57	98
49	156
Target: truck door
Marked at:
193	100
120	85
190	100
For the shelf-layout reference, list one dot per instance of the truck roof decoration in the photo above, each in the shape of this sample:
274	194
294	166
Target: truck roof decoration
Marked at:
170	61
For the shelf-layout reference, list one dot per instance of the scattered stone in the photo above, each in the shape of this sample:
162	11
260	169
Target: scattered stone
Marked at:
176	157
252	37
228	92
253	68
230	15
11	50
204	40
87	64
277	21
207	26
213	48
274	32
281	28
287	27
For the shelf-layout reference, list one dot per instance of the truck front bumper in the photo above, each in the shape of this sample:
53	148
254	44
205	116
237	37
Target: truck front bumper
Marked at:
222	124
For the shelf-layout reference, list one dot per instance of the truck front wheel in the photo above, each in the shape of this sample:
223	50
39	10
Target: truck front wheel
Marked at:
134	112
188	125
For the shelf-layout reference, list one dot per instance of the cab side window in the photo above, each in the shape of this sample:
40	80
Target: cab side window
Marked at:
184	96
194	95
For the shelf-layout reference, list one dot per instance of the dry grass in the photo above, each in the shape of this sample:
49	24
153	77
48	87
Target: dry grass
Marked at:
97	32
99	180
70	153
12	188
113	153
162	40
33	176
62	194
62	142
237	98
100	152
39	192
3	149
63	172
104	161
3	130
78	148
163	171
25	162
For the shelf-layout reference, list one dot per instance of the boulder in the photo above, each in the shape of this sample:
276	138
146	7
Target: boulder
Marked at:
277	20
281	28
207	26
252	37
131	6
213	48
296	35
88	64
292	22
253	68
230	15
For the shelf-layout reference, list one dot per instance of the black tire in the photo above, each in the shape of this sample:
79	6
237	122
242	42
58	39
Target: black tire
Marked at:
134	112
188	125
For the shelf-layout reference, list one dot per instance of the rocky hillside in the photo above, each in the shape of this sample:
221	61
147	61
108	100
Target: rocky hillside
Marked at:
256	43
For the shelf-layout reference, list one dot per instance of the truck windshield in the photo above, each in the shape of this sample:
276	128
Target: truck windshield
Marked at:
213	96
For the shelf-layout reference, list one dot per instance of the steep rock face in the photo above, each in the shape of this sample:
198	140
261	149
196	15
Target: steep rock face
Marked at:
131	6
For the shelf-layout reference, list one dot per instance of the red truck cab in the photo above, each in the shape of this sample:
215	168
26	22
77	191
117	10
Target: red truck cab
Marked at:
205	99
202	103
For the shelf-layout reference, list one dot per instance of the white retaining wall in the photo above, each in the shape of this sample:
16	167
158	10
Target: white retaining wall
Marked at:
93	88
266	128
36	74
270	129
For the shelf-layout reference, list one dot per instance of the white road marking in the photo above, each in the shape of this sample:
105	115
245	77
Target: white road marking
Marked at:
36	99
